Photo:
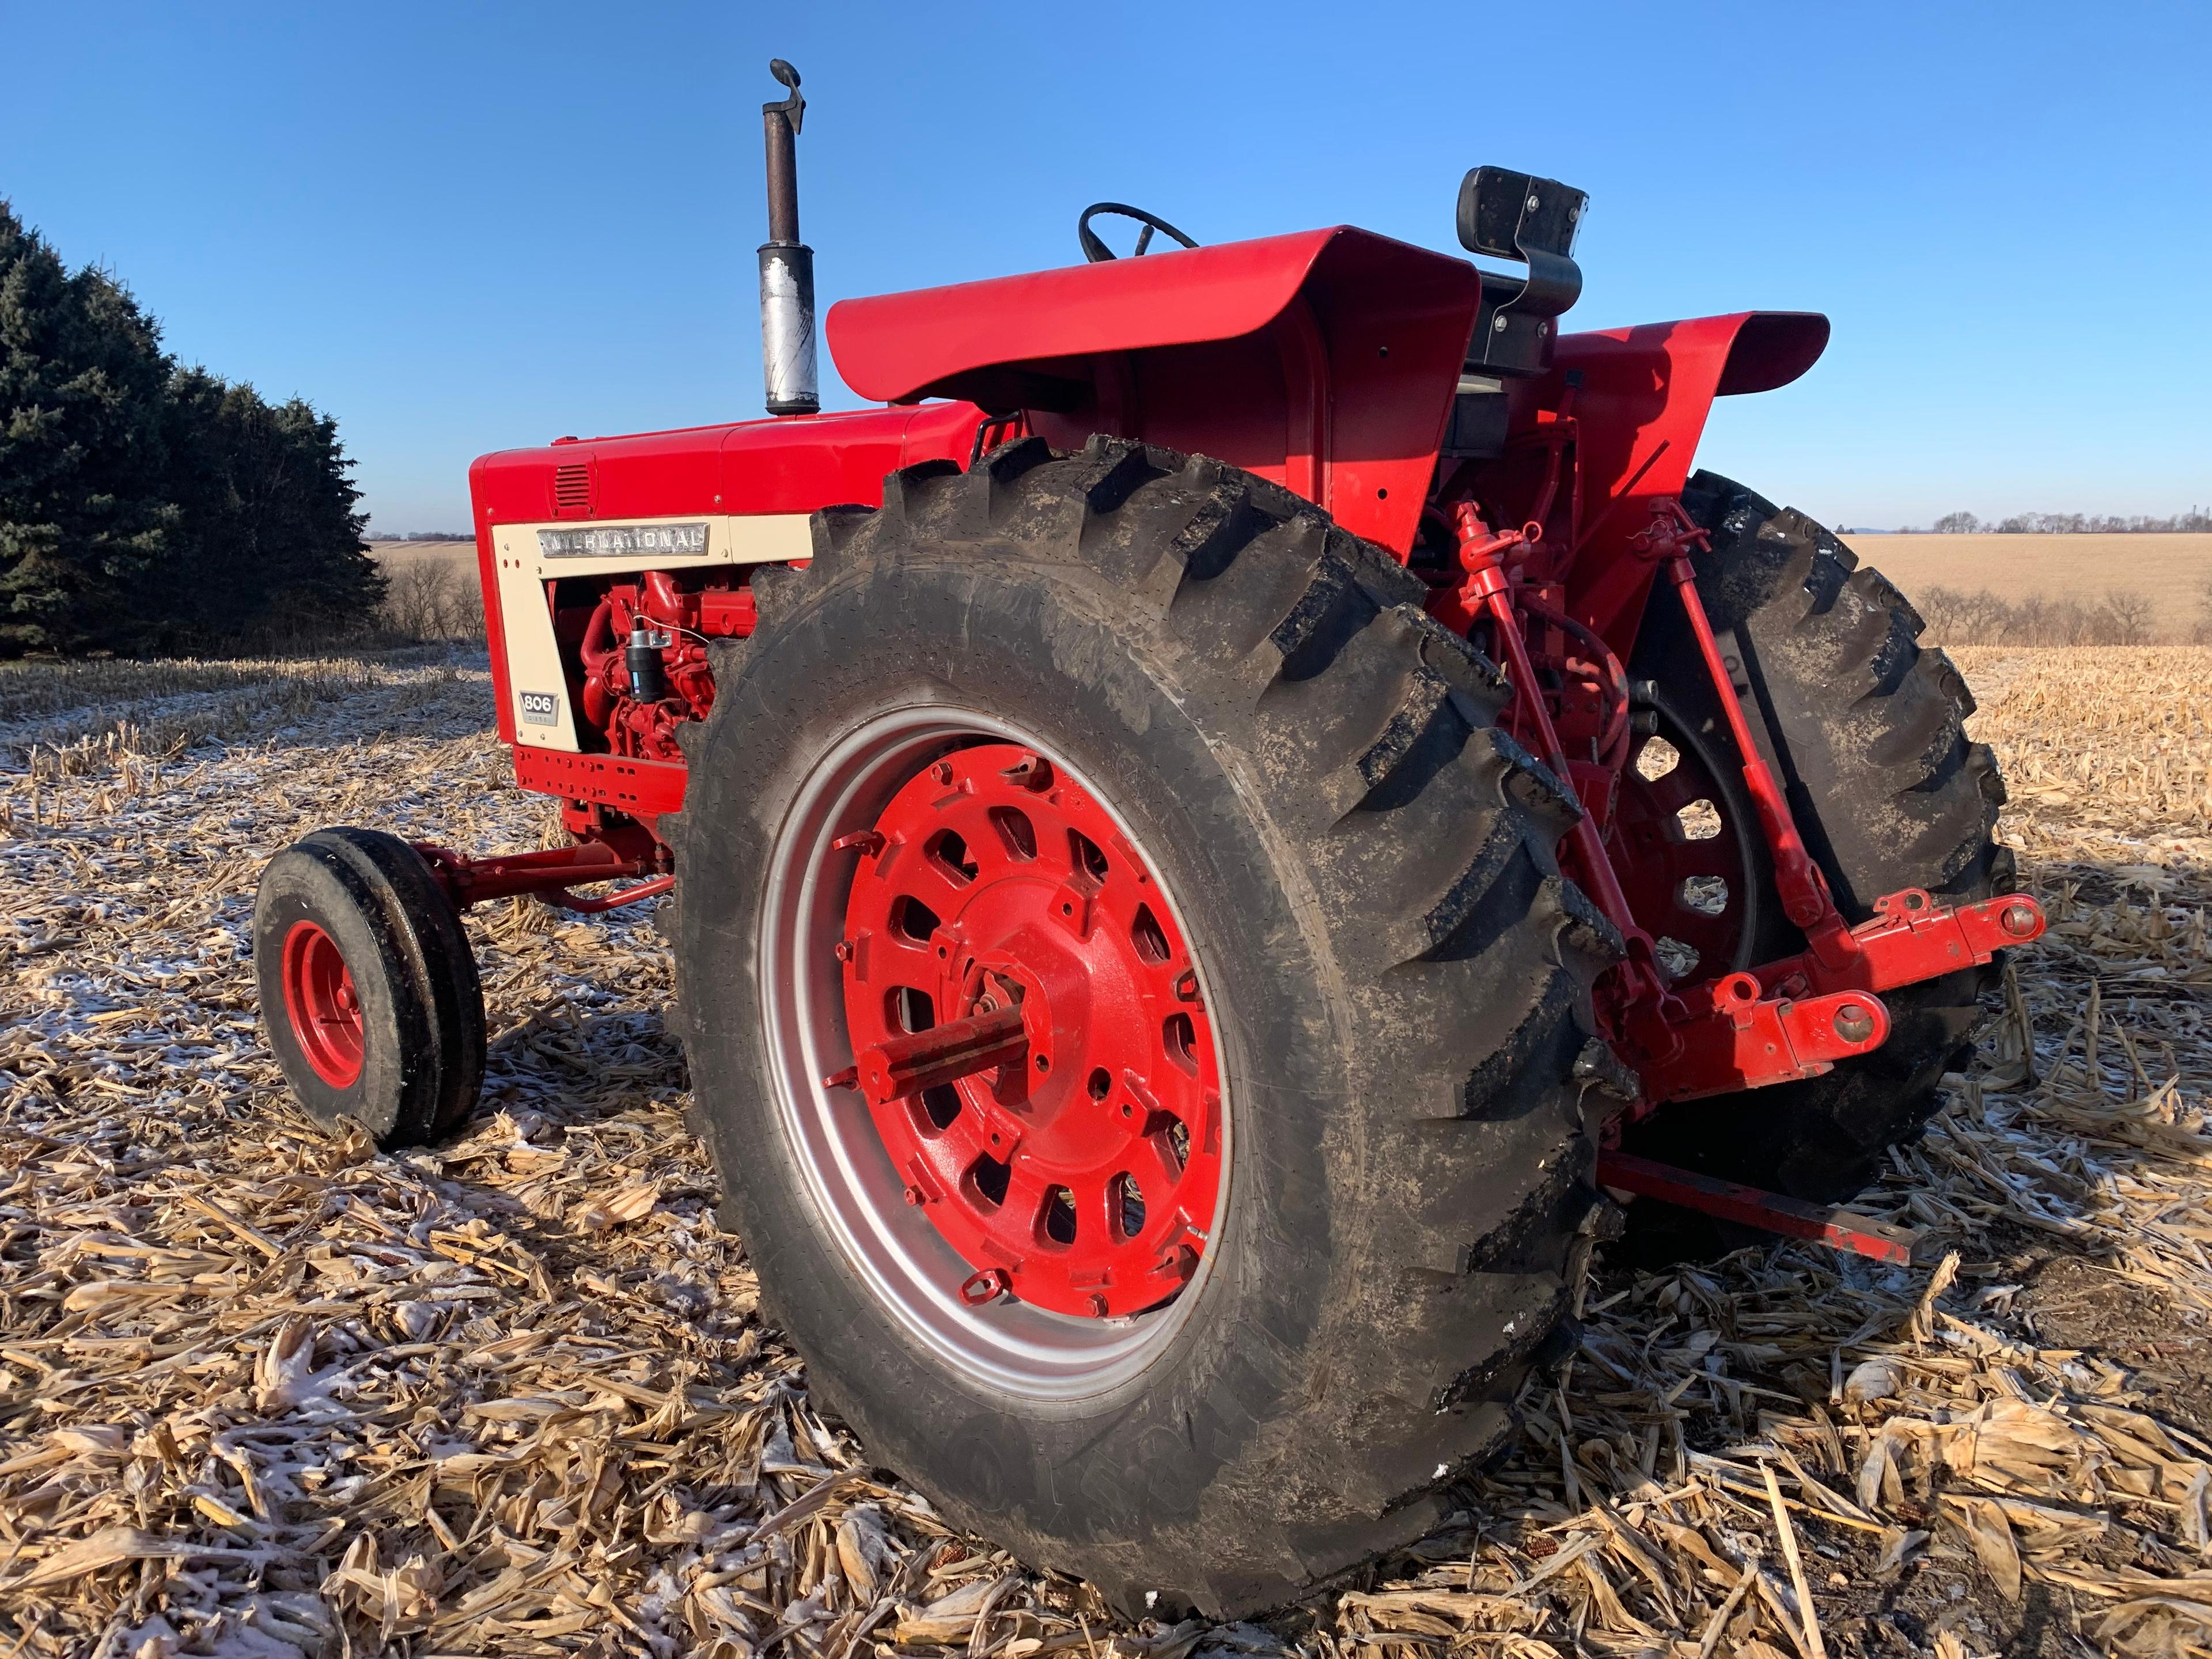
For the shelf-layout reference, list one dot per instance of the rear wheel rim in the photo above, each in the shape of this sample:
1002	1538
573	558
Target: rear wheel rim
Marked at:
1685	857
322	1005
1052	1279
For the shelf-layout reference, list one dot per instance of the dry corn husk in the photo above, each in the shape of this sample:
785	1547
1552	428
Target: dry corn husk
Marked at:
263	1388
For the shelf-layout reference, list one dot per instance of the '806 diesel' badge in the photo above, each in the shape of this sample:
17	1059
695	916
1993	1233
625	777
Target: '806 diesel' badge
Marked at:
538	707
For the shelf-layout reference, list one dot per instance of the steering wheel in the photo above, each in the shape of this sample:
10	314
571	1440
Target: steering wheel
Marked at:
1094	245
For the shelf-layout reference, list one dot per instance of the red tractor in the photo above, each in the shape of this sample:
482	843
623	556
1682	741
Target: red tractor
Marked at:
1203	836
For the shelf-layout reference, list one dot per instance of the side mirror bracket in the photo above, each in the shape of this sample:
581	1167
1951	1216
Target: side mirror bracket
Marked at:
1505	215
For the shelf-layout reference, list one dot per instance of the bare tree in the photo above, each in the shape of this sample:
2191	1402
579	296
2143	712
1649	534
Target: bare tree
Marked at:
1962	617
2129	617
2123	616
435	600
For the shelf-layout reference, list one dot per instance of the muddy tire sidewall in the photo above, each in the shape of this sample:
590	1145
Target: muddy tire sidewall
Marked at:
1043	653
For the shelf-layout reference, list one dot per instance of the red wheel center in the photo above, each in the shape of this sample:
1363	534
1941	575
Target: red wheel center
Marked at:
320	1002
1087	1167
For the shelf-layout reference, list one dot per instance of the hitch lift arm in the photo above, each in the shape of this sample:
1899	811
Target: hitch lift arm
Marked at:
1775	1024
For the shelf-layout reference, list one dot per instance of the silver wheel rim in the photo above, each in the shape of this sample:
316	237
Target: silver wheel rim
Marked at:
900	1257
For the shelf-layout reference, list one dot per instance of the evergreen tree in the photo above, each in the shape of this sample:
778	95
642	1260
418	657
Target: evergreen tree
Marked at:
82	509
142	506
270	548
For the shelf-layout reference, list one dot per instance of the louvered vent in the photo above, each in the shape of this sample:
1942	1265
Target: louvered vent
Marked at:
572	491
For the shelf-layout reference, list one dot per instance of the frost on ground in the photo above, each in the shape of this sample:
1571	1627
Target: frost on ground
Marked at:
264	1391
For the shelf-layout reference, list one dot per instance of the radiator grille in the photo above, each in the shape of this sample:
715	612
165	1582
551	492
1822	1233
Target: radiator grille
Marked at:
572	490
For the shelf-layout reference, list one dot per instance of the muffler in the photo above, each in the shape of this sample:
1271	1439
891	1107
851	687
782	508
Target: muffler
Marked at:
787	264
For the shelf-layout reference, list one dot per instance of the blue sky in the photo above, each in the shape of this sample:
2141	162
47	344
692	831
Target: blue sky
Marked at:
459	228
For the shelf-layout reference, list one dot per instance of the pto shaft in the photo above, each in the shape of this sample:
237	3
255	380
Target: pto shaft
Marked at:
900	1066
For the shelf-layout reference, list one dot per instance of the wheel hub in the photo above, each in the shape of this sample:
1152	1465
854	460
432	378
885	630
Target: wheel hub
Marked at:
1682	857
1029	1035
320	1001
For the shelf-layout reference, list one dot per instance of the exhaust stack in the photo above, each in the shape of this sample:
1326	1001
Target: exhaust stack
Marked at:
787	264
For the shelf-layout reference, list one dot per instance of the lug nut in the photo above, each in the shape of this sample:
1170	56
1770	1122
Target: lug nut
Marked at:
986	1286
2018	920
1031	772
916	1197
1853	1022
1097	1305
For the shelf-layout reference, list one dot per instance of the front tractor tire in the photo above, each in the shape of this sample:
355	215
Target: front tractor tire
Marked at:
1207	1292
368	989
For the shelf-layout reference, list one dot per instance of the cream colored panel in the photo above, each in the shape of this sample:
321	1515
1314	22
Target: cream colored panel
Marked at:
542	716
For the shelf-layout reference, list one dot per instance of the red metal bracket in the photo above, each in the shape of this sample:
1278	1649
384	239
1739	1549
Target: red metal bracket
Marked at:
1482	555
644	789
1781	1021
545	874
1743	1039
1796	1018
1798	882
1911	937
615	901
1822	1224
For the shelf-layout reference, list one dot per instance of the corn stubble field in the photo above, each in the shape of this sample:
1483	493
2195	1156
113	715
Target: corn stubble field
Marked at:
265	1392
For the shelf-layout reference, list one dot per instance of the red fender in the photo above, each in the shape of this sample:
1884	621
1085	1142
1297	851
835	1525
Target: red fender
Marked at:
1644	394
946	341
1326	361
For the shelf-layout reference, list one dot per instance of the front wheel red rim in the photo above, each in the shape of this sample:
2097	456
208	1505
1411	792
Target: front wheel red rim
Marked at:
322	1005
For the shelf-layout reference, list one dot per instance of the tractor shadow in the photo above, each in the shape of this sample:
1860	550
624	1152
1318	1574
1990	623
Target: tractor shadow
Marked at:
576	1070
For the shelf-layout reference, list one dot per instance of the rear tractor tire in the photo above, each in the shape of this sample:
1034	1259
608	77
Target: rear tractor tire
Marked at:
1866	732
368	989
1208	1295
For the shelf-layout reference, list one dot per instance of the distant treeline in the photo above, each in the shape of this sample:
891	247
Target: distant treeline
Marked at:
425	536
2196	520
2121	616
148	506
